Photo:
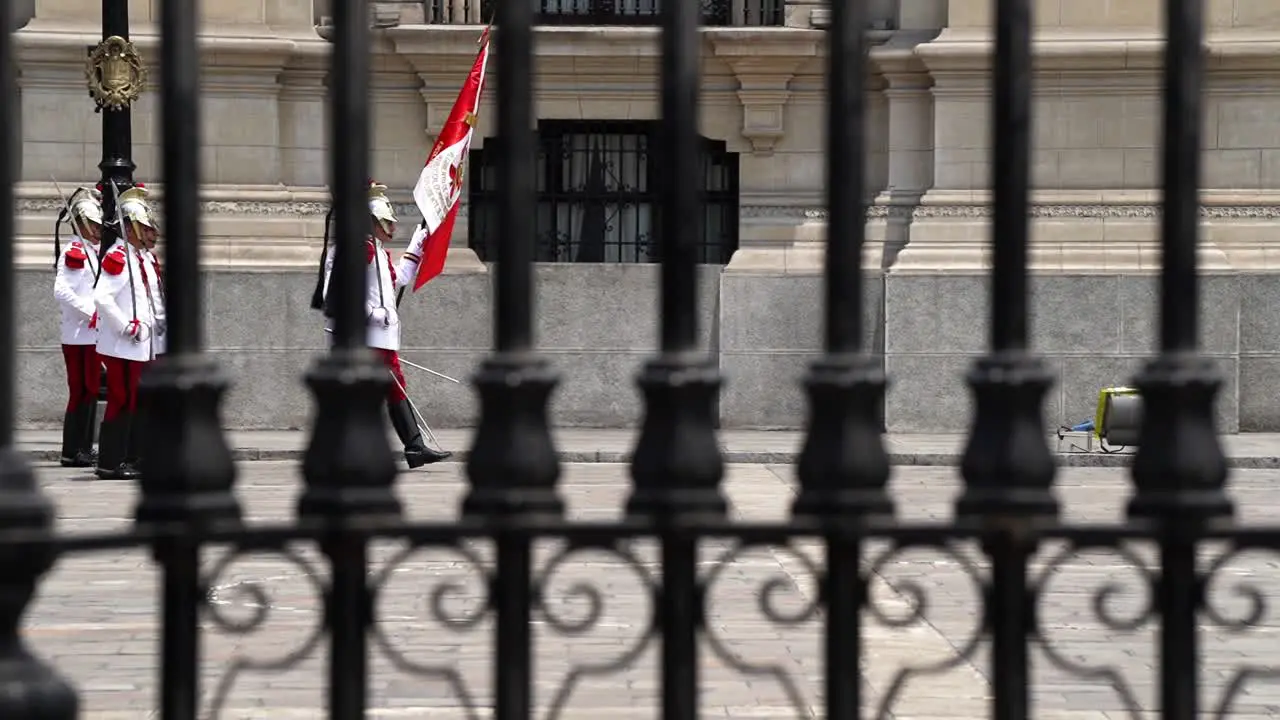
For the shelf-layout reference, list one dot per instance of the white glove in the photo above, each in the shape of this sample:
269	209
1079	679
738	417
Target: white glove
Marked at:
380	316
139	331
419	241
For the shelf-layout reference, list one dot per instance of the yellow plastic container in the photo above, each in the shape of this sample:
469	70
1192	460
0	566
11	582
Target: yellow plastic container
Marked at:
1105	394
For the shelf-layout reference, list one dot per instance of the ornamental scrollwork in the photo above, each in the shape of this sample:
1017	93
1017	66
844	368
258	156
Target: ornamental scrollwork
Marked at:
553	596
1248	614
1105	603
780	598
219	595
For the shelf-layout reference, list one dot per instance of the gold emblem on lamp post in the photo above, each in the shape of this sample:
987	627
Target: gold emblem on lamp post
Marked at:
115	73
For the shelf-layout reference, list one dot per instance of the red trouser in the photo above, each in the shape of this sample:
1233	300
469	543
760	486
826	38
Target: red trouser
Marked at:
392	360
83	375
122	386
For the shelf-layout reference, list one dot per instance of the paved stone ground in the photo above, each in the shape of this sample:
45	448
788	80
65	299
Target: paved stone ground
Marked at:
95	618
1253	451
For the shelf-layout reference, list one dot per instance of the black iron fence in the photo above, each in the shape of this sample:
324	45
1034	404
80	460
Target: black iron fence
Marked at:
610	12
1008	506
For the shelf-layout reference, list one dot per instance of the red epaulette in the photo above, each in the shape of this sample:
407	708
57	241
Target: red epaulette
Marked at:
369	251
113	263
390	267
75	256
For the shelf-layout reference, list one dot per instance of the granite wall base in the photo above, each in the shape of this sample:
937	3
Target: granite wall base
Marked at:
1094	331
597	324
771	331
1260	352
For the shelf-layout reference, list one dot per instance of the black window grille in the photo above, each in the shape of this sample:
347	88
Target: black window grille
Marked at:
613	12
597	186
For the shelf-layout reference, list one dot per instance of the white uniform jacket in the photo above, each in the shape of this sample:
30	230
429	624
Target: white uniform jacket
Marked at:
73	287
383	281
129	312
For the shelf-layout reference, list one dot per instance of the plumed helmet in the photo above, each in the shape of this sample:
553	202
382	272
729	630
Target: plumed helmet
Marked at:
134	206
380	206
85	205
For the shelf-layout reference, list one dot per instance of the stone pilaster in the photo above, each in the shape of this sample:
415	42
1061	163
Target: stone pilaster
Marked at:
773	69
304	120
910	133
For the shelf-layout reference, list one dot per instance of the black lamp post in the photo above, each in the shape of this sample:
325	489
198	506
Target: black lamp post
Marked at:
116	78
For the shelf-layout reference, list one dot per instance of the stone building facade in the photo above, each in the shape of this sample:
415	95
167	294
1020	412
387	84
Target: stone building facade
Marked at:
1094	251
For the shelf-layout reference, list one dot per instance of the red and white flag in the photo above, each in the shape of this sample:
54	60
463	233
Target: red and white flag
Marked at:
440	184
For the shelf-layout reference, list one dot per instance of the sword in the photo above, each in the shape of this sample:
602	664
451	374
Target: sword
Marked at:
427	369
58	187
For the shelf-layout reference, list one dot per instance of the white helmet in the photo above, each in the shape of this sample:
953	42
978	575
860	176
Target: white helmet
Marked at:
134	207
85	205
380	206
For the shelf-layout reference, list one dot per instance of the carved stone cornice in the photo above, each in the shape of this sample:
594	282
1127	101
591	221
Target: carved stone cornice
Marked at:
1244	59
1096	211
52	55
289	208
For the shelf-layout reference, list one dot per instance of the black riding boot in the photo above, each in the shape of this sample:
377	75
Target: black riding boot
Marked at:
89	420
72	432
133	447
113	442
416	453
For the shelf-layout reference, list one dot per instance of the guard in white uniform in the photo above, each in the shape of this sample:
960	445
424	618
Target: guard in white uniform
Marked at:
131	327
77	269
383	321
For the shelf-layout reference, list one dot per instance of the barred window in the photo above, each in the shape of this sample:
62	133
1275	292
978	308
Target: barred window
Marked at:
597	185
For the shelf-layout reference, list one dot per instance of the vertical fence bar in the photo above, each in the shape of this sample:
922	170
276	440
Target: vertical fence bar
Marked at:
681	195
1180	176
28	688
349	163
513	321
513	468
1011	173
188	474
180	116
1180	472
349	469
843	468
677	467
1007	467
846	172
